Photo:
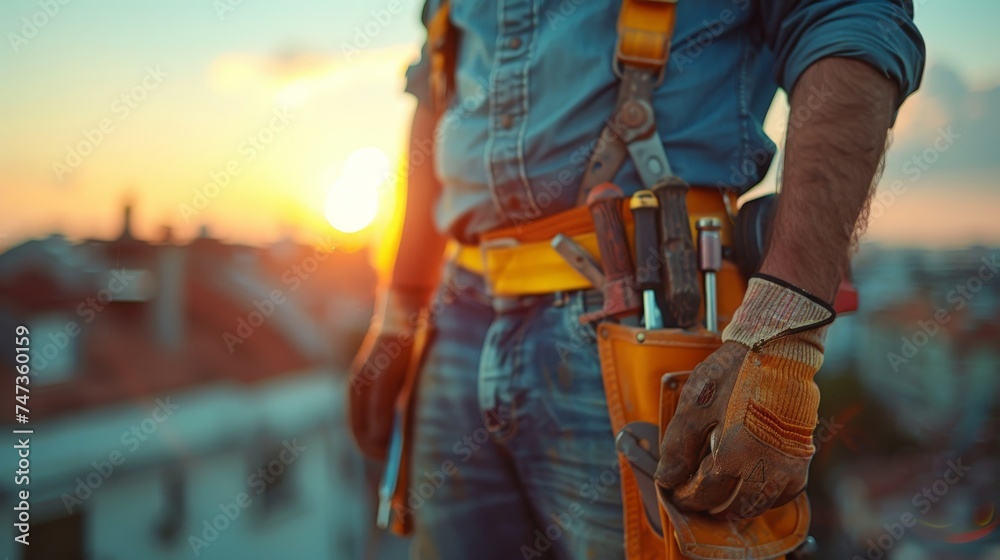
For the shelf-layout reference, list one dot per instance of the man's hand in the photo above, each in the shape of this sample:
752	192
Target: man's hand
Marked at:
741	440
379	371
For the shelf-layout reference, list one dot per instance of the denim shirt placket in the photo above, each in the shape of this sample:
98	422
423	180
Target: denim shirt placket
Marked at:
508	110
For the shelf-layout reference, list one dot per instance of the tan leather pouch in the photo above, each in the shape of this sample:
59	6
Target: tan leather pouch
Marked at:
632	362
641	380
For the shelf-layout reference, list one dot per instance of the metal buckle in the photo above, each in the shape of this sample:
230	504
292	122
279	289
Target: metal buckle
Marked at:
484	247
621	58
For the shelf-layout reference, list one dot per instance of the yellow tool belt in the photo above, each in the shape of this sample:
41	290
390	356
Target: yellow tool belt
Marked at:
520	260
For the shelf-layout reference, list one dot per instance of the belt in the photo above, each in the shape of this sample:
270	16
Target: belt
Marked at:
520	260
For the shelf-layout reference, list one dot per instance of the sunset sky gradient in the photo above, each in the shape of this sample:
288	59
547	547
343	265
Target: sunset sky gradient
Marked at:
329	74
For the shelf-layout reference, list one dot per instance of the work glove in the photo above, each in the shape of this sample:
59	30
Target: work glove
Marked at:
741	441
379	370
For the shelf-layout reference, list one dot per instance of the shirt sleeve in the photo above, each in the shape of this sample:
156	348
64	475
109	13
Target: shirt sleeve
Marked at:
878	32
418	75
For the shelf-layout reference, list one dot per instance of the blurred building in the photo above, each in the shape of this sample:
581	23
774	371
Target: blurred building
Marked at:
921	357
185	400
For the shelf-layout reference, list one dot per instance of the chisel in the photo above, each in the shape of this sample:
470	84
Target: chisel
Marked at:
645	208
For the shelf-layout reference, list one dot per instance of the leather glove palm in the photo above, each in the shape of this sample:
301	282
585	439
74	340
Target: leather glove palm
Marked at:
741	440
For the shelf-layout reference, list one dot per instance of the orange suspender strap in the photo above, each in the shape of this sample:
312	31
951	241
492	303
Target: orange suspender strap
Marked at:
645	28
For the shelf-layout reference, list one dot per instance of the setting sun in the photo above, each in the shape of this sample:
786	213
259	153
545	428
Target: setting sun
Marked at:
352	202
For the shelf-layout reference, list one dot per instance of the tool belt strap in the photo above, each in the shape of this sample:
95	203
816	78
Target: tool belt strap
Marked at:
520	260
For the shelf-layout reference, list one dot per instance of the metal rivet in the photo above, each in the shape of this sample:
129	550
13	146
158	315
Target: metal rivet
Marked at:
633	114
604	333
641	337
654	165
672	384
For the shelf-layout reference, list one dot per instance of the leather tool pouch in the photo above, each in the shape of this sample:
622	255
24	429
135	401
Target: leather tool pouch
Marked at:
636	366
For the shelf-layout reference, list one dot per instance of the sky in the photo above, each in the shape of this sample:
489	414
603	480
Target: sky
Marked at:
245	115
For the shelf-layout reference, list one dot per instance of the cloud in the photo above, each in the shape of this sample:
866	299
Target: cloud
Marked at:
303	73
945	101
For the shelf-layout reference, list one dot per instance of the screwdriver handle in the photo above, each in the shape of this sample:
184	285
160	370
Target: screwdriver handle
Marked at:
645	211
681	275
620	295
604	203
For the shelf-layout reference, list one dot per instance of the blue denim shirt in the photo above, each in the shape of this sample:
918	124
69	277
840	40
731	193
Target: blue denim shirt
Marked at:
535	86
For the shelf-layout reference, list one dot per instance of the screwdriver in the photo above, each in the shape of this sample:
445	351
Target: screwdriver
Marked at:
710	261
645	210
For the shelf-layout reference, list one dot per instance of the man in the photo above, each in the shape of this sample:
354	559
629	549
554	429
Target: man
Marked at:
511	428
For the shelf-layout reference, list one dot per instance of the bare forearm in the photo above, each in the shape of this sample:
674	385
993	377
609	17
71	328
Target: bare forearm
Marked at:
841	110
421	246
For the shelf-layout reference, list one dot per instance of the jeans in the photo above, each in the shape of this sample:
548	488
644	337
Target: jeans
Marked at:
514	455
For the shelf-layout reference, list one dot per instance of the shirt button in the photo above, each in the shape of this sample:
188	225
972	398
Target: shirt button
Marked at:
506	121
514	43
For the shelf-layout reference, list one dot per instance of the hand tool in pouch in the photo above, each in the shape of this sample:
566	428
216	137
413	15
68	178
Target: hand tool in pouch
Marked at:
681	275
710	261
621	300
387	486
645	208
578	258
639	443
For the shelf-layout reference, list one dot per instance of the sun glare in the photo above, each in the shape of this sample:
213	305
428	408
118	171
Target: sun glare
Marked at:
352	201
